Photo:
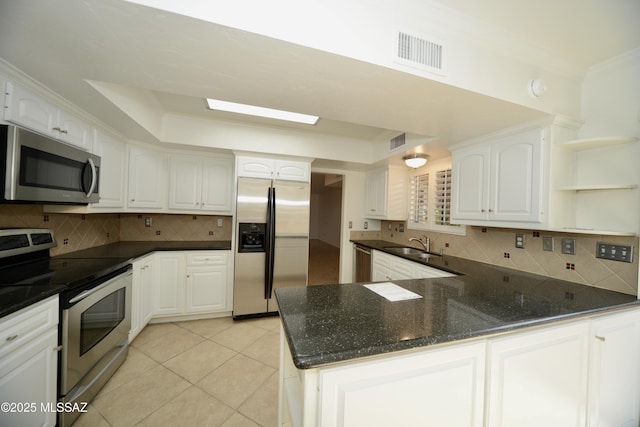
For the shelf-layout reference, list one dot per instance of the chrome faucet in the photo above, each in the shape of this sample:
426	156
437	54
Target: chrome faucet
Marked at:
426	244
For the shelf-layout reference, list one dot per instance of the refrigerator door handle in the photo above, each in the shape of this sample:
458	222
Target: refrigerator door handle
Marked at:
271	245
268	265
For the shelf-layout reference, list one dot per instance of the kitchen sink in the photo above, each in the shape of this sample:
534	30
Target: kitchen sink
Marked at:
407	250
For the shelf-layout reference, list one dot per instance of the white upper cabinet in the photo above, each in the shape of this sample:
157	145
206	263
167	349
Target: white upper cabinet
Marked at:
113	160
386	193
200	184
24	108
500	180
270	168
147	179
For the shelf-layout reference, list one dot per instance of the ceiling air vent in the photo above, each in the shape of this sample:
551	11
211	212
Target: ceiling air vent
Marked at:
397	142
420	51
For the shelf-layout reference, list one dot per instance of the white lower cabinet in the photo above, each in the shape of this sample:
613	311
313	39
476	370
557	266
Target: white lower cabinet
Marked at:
29	365
192	282
581	373
141	295
444	387
614	371
390	267
168	298
538	378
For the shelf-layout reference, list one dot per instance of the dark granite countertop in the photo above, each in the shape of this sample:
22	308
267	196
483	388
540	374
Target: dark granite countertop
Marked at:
31	282
331	323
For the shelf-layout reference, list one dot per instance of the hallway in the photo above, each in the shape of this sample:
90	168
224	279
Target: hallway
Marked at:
324	263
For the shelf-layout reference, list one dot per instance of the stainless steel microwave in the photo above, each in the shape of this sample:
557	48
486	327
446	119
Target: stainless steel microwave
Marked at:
38	169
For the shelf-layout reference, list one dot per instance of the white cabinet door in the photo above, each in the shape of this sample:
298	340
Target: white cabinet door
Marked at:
255	167
29	364
614	371
376	194
426	272
24	108
290	170
27	109
386	193
147	179
169	283
270	168
28	377
538	378
443	387
142	295
185	183
113	159
74	131
217	185
206	289
516	174
470	183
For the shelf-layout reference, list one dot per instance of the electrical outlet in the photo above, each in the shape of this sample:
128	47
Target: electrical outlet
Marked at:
219	222
366	225
547	243
520	241
148	221
614	252
569	246
350	224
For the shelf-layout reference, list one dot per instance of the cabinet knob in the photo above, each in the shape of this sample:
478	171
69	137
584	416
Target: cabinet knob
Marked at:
598	337
57	129
64	131
490	210
12	337
482	210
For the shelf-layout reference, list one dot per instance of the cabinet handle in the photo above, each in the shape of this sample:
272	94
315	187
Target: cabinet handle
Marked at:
598	337
57	129
132	200
12	337
64	131
58	348
490	210
482	210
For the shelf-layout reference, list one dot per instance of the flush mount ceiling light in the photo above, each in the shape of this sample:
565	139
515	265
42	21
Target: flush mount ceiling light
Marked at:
415	160
253	110
536	88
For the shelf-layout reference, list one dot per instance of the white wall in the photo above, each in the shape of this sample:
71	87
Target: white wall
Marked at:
611	98
326	211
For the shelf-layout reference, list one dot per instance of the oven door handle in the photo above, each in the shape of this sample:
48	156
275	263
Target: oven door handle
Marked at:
91	291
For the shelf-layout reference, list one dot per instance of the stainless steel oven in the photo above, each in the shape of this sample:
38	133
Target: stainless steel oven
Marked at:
39	169
95	322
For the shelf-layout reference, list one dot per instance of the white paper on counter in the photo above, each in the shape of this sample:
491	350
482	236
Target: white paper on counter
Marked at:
392	292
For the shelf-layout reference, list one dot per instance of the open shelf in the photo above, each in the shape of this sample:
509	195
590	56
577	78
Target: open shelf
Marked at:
590	143
593	231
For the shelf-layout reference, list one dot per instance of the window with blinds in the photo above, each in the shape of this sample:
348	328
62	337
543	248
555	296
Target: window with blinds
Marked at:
430	201
442	206
419	199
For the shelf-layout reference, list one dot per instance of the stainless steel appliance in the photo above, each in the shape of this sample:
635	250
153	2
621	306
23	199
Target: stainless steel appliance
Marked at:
95	305
95	327
362	270
41	169
272	250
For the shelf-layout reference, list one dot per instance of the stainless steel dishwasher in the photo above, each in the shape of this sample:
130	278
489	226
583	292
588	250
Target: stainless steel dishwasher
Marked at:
362	261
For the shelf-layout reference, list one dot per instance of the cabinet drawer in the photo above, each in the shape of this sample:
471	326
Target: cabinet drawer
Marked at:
207	258
22	326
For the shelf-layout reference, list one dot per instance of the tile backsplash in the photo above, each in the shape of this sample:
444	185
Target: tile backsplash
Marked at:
497	246
75	232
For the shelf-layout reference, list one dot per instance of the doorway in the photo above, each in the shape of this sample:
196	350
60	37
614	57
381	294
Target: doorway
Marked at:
324	228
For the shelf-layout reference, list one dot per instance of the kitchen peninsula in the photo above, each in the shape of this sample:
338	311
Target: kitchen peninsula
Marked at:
491	346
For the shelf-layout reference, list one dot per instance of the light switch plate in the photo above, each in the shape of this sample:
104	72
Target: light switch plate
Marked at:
520	241
547	243
569	246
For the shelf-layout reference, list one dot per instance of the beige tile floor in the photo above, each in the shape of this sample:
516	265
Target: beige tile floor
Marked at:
213	372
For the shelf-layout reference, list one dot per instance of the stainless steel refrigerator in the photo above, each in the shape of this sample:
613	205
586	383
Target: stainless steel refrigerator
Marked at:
272	244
